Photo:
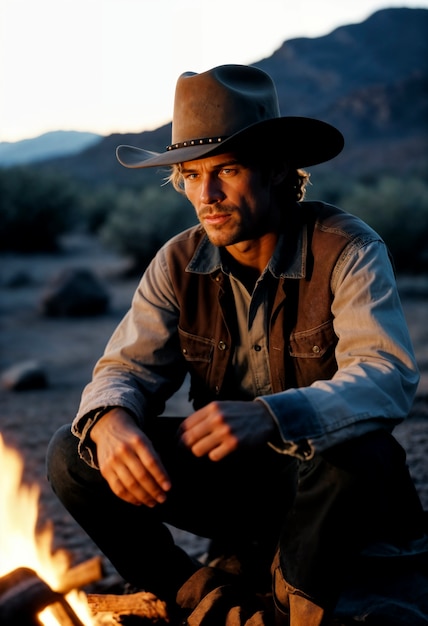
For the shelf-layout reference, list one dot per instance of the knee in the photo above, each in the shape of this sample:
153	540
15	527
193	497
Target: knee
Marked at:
61	452
375	452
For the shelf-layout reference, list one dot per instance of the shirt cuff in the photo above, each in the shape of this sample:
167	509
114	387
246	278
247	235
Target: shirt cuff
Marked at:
296	422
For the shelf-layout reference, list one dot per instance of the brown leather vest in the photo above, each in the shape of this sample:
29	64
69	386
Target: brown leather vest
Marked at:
301	336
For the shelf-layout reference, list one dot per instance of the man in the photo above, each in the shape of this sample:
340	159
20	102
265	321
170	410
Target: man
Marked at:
286	316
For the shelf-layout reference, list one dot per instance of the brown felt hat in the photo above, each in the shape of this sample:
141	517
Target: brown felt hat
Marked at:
231	106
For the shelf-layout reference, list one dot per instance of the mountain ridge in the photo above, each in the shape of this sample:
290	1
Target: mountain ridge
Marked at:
48	145
369	79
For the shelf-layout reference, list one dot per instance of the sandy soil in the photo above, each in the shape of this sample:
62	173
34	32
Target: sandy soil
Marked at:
68	348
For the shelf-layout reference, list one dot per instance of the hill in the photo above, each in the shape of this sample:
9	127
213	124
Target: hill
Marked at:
47	146
368	79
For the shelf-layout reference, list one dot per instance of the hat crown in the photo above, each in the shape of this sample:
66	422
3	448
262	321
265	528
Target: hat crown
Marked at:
234	107
221	102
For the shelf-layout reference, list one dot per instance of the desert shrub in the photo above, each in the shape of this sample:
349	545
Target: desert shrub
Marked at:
96	206
35	209
398	210
142	221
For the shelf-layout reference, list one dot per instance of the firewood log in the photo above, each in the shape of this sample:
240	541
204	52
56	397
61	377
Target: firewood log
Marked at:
142	604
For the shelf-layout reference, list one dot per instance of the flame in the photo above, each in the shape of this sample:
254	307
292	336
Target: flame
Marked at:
21	545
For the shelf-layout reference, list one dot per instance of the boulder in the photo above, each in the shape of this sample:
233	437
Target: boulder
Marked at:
24	376
74	292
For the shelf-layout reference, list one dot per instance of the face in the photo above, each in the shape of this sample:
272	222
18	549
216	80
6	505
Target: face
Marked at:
232	201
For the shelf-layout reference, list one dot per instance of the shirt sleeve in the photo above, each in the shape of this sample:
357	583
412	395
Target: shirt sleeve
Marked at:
377	375
142	365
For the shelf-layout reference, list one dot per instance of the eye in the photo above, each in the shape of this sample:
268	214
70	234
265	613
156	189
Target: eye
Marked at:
190	176
228	171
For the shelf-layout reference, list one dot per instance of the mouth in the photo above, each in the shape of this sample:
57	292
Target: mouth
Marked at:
216	219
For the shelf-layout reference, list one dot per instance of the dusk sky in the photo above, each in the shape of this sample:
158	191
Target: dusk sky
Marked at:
111	65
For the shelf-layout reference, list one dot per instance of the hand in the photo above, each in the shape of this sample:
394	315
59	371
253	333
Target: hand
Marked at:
220	428
128	461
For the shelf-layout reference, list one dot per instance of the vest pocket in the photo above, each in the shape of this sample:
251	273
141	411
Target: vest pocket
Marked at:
313	354
195	348
313	343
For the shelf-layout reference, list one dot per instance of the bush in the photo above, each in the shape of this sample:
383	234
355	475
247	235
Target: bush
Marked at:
398	210
96	206
142	221
35	209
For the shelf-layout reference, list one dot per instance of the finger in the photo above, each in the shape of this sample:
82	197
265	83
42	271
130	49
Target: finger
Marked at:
136	474
206	434
138	453
147	475
201	446
153	466
134	489
214	448
194	419
200	424
192	436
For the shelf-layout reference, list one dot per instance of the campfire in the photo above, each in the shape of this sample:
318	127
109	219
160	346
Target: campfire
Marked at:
38	586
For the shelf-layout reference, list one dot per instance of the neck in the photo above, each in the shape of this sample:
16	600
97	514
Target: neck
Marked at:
253	255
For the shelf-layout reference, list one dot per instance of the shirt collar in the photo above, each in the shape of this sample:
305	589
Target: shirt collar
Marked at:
287	261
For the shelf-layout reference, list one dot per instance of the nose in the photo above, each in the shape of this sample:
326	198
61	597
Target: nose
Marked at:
211	191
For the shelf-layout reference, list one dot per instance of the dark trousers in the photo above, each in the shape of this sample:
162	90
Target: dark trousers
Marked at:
320	513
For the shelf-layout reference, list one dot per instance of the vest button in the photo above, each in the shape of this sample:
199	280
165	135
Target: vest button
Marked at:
316	349
184	350
221	345
256	347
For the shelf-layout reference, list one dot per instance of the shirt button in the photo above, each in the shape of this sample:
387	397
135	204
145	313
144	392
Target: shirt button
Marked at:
222	345
256	347
316	349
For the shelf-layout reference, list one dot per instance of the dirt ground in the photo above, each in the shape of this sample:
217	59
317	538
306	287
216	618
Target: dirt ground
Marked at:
68	348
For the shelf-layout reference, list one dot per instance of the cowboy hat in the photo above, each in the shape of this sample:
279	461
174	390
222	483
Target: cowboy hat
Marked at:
235	105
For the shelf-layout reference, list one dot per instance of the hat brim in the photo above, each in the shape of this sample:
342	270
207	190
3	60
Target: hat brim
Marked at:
302	141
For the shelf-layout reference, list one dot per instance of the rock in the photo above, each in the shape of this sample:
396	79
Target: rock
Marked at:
24	376
74	292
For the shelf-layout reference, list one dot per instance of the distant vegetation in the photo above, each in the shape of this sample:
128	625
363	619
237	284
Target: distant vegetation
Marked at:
397	208
142	221
36	209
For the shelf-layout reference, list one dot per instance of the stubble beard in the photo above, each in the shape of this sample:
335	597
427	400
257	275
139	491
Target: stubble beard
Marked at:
233	231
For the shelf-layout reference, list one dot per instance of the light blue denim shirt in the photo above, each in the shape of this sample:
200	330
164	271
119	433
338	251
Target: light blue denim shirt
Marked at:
377	373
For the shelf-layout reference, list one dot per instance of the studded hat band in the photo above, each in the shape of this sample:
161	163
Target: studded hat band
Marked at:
196	142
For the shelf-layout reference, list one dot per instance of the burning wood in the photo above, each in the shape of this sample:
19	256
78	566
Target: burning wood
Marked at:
79	576
37	586
141	604
27	561
23	595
